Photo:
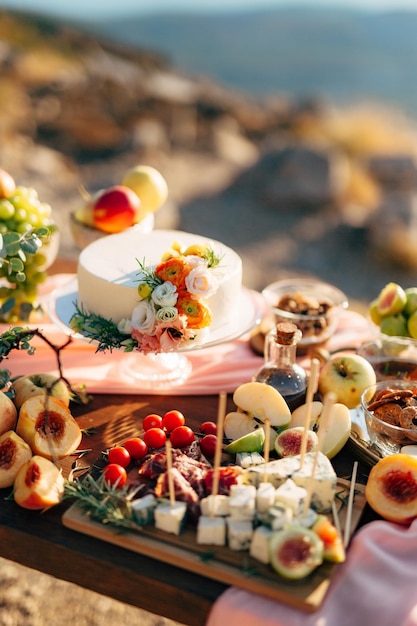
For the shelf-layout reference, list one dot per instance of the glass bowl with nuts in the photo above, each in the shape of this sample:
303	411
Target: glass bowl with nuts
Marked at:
312	305
390	409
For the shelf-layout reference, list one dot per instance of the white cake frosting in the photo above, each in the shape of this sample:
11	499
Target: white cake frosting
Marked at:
109	273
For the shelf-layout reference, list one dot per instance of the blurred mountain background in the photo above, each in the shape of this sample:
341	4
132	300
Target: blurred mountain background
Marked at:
289	134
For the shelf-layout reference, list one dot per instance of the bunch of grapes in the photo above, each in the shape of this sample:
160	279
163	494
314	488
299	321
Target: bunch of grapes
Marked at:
26	226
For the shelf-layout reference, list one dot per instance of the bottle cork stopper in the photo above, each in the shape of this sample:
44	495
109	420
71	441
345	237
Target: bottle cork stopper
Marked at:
287	333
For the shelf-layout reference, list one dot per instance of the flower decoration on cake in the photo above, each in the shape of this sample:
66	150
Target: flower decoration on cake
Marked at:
172	308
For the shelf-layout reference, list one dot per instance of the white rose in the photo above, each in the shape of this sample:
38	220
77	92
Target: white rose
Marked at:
125	327
193	260
167	314
201	282
143	317
165	294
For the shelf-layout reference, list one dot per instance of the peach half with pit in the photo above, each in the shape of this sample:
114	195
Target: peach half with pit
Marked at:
39	484
391	490
14	452
48	426
8	413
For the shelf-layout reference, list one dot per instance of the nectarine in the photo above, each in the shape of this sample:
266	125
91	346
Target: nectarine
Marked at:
39	484
14	452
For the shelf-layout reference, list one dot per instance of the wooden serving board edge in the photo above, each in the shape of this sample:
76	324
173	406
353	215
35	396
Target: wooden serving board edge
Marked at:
306	595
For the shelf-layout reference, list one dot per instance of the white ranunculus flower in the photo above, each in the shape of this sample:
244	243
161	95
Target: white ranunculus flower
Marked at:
165	294
194	260
125	327
143	317
167	314
201	281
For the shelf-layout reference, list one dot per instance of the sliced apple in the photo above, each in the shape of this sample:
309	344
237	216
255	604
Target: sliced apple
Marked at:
251	442
47	425
14	452
339	425
8	413
257	402
39	484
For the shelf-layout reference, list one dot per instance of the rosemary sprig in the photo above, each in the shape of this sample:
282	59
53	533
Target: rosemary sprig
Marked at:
103	331
147	275
102	502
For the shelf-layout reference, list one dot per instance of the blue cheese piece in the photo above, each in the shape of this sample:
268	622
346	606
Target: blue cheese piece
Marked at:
277	472
239	533
277	517
170	517
248	459
211	530
143	509
242	502
306	519
265	497
259	546
217	505
291	495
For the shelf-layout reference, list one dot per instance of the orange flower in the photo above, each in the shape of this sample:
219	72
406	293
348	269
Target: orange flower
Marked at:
175	270
198	314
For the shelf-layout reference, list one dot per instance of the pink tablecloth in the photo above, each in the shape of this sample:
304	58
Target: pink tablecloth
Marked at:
376	586
215	369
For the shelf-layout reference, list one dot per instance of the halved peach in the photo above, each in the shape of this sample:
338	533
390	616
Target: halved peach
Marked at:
39	484
47	425
14	452
391	490
8	413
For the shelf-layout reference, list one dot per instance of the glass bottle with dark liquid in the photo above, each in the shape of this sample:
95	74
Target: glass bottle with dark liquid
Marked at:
280	369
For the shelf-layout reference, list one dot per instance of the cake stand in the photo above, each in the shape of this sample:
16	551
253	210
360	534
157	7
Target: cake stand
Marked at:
166	369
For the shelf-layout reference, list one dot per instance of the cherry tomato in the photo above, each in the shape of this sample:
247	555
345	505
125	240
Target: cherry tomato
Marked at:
136	447
115	475
172	419
119	455
155	437
152	421
181	437
208	428
208	445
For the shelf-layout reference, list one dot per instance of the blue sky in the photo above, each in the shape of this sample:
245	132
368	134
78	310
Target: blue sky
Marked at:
107	8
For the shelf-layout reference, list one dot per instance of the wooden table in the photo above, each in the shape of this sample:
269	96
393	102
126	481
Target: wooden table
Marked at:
40	541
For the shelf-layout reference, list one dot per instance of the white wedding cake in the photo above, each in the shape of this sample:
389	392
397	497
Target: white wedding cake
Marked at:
150	281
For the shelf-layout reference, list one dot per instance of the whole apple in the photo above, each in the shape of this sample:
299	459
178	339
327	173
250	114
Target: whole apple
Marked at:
31	385
346	375
115	209
150	186
7	184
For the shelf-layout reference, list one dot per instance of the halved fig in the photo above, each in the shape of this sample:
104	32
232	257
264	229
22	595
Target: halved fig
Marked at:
295	552
288	443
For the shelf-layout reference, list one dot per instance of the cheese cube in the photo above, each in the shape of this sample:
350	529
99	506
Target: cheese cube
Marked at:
307	519
259	546
217	505
239	533
143	509
247	459
265	497
277	472
277	517
211	530
242	501
170	516
291	495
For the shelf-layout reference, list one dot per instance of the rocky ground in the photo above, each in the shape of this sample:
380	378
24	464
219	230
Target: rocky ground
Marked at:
290	195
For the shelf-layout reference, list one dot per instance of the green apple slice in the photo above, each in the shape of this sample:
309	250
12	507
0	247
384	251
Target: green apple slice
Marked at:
251	442
257	402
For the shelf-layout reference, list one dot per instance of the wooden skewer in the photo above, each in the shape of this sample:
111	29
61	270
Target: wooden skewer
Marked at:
267	444
350	505
329	401
168	450
221	412
311	390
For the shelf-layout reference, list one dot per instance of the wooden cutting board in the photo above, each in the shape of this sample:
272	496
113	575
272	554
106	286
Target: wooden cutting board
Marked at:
220	563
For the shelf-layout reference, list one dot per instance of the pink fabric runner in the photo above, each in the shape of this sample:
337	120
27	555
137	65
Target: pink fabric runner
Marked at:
215	369
376	586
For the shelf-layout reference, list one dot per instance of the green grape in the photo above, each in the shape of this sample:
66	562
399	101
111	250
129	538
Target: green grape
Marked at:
6	210
20	214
